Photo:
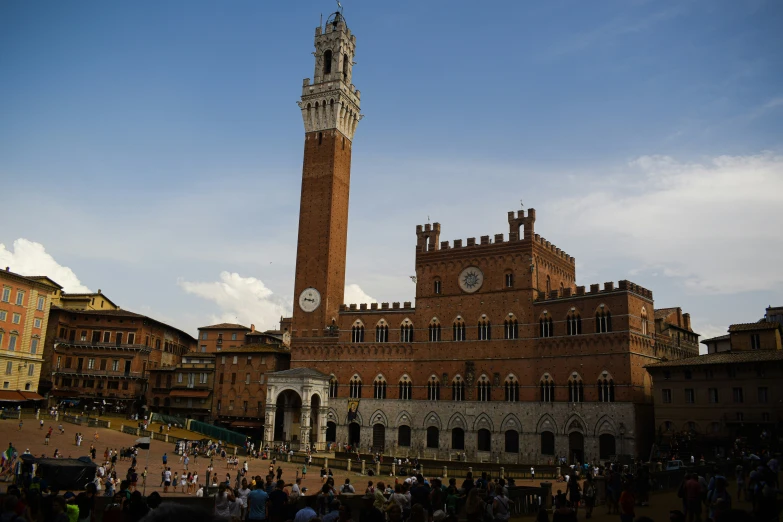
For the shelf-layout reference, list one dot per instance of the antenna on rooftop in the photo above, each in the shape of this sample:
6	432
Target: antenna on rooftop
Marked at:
521	204
340	6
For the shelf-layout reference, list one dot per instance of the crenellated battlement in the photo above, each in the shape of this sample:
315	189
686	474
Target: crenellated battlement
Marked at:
595	289
376	307
427	237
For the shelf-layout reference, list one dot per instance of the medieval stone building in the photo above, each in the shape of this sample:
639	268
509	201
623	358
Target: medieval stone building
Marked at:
503	356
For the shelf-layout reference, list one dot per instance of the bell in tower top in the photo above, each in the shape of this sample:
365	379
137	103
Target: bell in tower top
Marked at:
331	101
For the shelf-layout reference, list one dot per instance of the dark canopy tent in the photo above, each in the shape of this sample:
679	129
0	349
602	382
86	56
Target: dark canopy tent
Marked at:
67	474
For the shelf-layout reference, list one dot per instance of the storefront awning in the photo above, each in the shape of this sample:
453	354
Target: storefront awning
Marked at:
194	394
18	396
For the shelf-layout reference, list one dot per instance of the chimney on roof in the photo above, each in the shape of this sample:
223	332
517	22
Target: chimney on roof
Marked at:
99	290
252	327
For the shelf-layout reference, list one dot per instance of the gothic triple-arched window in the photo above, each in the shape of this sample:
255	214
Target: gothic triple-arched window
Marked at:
433	389
333	386
605	388
483	389
458	389
434	330
512	389
547	388
357	332
603	320
574	323
355	387
484	329
406	388
382	332
576	388
458	330
379	387
511	327
406	331
545	326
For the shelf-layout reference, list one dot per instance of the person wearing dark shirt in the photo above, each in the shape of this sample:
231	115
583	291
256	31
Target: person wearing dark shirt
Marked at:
420	494
277	503
468	483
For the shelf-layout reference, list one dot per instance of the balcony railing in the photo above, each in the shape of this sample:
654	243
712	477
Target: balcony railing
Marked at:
101	346
92	372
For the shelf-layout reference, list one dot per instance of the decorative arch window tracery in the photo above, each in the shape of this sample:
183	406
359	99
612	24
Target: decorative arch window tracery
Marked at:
355	387
406	388
357	332
484	329
512	389
605	388
379	387
603	320
576	388
458	329
458	389
483	389
434	330
511	327
574	323
433	389
406	331
382	332
547	388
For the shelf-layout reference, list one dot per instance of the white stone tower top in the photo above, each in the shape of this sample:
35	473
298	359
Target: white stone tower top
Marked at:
332	101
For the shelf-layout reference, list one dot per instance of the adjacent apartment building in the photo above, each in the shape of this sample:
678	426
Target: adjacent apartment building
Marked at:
729	392
24	312
184	390
102	358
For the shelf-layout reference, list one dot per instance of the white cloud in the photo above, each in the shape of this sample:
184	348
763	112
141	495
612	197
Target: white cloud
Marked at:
31	259
247	300
354	294
715	224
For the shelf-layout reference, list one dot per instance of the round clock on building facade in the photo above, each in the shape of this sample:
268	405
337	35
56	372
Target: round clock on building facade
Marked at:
309	299
471	279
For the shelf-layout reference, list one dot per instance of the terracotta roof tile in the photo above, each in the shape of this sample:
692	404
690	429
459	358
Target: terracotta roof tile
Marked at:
724	358
761	325
224	326
715	339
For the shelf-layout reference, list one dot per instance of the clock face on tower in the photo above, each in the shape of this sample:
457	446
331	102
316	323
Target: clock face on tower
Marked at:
471	279
309	299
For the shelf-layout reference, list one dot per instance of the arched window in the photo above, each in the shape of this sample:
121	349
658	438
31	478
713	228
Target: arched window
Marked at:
357	332
433	436
574	323
603	320
437	286
458	330
644	321
406	331
484	330
382	332
346	61
458	439
355	387
509	280
511	327
484	440
576	388
605	388
433	389
512	389
458	389
379	387
548	285
328	62
333	387
546	328
406	388
434	330
483	389
562	289
547	443
404	436
547	387
512	441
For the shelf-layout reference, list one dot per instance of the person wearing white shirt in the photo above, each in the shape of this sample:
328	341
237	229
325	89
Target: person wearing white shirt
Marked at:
200	492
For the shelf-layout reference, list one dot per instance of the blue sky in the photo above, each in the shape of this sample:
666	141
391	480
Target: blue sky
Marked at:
154	148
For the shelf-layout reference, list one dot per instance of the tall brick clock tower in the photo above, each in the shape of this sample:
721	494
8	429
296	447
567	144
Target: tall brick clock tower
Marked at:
330	110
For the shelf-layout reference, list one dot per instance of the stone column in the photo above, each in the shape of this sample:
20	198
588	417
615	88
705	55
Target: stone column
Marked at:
269	424
321	442
304	428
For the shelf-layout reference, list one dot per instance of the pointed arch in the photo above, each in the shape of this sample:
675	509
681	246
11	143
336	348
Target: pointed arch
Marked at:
431	419
604	425
603	319
644	320
406	331
458	388
483	422
355	387
433	388
404	418
511	388
546	387
382	331
576	388
546	327
358	419
458	329
458	420
483	388
511	327
379	417
434	330
605	387
575	423
546	423
357	331
511	422
405	387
